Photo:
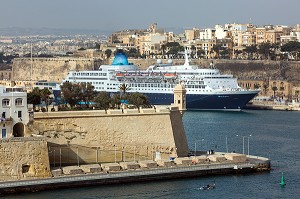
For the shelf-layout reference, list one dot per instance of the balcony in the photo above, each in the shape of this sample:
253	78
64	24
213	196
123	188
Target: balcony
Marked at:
6	120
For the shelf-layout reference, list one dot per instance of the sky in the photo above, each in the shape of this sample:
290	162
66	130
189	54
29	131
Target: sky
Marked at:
139	14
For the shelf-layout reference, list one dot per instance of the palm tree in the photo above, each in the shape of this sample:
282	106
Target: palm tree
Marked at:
45	94
274	89
123	88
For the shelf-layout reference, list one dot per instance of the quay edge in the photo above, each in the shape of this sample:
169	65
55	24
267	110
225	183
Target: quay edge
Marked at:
255	164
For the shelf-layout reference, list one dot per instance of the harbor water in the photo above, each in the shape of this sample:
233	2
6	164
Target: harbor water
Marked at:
273	134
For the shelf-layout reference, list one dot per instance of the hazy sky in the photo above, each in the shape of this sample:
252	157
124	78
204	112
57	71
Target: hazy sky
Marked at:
129	14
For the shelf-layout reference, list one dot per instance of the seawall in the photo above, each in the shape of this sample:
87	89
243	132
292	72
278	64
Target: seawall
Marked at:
163	173
23	158
96	135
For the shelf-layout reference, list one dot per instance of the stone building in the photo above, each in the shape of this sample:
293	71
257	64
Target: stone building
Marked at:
281	88
14	112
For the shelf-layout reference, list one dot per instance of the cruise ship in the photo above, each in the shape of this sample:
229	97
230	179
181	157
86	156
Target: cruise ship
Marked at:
207	89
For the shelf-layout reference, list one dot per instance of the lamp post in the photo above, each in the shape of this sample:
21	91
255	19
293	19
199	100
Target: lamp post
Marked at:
244	142
226	140
249	144
196	145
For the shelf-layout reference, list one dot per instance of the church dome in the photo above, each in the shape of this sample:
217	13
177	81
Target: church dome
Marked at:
120	59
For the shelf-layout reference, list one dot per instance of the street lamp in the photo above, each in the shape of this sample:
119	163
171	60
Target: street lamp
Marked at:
244	142
196	145
226	144
249	144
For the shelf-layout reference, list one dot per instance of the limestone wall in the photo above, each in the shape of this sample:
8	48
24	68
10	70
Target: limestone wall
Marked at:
51	69
23	158
138	134
55	69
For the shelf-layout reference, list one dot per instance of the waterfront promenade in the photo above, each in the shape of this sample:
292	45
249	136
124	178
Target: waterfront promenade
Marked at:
269	105
186	167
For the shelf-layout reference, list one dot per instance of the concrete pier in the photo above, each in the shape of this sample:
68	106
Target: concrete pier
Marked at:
110	175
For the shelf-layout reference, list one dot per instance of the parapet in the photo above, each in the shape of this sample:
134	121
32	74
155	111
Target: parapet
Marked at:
147	110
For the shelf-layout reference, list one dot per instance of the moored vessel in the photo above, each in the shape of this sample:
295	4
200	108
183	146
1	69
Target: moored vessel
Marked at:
207	89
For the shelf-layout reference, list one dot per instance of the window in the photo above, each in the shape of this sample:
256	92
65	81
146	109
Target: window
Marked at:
19	102
19	114
5	102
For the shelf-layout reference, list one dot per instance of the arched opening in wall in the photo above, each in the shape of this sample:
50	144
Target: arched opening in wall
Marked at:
18	130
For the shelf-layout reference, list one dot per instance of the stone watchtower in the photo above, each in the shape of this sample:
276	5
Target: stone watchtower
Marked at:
180	97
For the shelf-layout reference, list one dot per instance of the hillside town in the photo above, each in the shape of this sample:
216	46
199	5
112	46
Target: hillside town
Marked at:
275	49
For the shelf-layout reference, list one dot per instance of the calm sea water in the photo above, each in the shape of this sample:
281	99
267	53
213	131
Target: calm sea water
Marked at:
274	134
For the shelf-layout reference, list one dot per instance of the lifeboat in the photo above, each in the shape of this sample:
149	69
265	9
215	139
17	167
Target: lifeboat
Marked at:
170	75
119	75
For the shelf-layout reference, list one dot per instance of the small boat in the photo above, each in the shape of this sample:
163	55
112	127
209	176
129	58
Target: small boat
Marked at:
207	187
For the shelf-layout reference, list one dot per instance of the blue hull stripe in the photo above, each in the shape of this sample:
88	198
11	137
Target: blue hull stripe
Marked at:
232	101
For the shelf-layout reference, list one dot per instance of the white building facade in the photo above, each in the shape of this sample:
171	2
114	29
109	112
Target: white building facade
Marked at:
14	112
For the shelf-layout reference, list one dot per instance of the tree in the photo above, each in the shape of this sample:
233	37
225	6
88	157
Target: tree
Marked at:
102	100
115	101
217	48
137	99
200	53
133	52
193	49
292	47
224	53
34	97
250	50
163	48
108	53
1	57
123	88
265	86
70	93
45	94
87	93
267	50
274	89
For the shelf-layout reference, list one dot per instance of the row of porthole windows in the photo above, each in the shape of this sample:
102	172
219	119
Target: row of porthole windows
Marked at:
18	102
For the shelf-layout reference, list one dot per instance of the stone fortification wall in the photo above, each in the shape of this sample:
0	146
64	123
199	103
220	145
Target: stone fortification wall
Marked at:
55	69
23	158
50	69
91	132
